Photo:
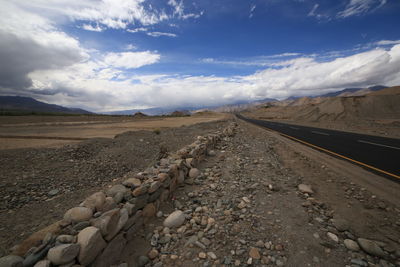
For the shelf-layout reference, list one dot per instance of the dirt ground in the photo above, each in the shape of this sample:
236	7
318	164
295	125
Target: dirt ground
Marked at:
39	184
261	171
55	131
244	209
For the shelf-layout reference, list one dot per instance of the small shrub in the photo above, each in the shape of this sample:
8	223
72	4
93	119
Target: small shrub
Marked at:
157	131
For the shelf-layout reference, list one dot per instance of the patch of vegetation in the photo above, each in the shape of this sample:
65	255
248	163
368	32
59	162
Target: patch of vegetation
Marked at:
157	131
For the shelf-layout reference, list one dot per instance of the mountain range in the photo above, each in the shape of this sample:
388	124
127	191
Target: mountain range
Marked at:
28	104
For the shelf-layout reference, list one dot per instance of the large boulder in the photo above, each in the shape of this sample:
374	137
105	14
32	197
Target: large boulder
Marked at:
92	243
132	182
107	222
11	261
175	219
123	218
95	201
111	253
371	247
63	254
119	188
78	214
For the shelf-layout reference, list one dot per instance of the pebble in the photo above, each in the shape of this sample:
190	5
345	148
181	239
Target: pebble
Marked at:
202	255
333	237
175	219
212	255
351	245
153	254
305	188
53	192
254	253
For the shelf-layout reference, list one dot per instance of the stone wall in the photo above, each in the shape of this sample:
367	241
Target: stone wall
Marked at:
95	233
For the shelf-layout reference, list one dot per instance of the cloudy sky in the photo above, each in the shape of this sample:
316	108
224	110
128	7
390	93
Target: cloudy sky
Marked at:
106	55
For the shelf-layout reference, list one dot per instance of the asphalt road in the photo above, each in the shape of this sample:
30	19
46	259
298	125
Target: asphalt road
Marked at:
378	154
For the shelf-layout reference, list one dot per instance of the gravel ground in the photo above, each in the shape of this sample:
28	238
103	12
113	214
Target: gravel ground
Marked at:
39	185
246	208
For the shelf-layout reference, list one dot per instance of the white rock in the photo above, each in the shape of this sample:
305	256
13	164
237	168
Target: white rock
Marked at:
175	219
63	254
333	237
305	188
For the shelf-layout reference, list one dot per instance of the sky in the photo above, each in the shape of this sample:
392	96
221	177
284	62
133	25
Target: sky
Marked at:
108	55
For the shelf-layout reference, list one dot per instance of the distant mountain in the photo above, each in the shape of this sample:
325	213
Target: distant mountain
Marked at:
28	104
349	91
238	105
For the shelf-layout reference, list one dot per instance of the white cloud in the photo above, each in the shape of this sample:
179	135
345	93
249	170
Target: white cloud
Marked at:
312	11
179	10
388	42
104	87
114	14
89	27
130	47
360	7
131	60
158	34
141	29
252	8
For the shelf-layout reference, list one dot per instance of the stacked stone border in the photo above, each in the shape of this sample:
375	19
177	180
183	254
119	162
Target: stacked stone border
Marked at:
90	234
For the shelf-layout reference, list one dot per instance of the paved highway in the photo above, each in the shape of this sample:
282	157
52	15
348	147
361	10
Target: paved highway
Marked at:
379	154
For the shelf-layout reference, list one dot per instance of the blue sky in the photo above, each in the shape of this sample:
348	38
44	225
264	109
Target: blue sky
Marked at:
120	54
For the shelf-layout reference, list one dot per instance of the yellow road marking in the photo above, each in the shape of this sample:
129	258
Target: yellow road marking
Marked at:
336	154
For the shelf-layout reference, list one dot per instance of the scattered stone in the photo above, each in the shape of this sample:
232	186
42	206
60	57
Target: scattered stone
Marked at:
351	245
371	247
63	254
254	253
305	188
333	237
53	192
175	219
194	173
212	255
153	254
202	255
260	244
92	243
78	214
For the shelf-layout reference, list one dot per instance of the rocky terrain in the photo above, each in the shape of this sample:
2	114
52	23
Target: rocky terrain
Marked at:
38	185
249	207
256	200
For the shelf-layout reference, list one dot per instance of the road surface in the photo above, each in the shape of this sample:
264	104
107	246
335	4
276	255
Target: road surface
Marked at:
378	154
